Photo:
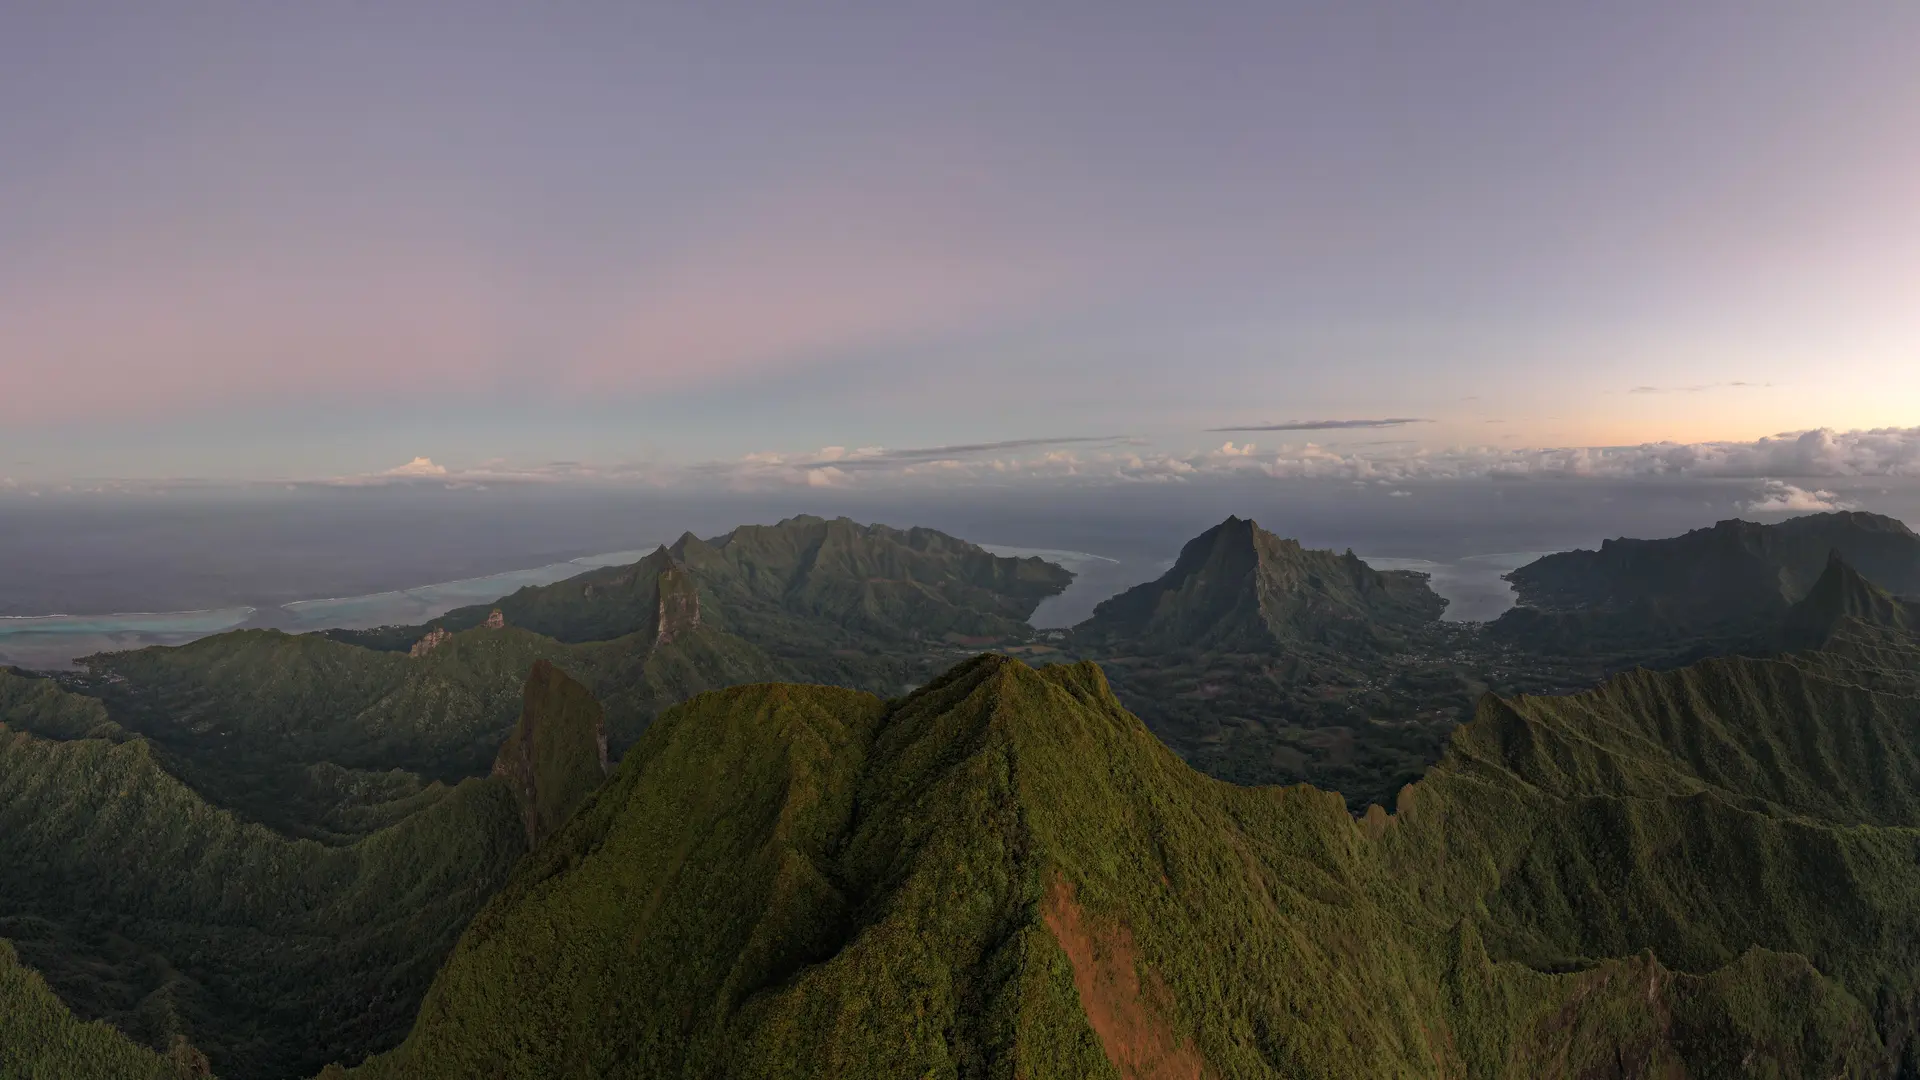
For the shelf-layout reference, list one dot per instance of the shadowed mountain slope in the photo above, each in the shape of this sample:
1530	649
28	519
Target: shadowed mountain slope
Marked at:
1843	595
1726	589
866	579
1709	872
39	1037
142	904
1732	573
248	717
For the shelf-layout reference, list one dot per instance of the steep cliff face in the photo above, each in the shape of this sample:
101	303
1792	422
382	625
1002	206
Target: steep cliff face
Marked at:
557	753
427	644
679	606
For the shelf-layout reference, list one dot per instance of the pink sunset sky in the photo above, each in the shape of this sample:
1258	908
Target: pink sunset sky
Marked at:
276	242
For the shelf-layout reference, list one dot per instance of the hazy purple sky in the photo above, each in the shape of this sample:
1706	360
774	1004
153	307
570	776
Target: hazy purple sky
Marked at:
319	240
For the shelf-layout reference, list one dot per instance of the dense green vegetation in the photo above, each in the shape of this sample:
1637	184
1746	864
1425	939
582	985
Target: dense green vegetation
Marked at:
1709	872
260	846
252	717
797	589
143	905
277	726
356	744
41	1040
1263	662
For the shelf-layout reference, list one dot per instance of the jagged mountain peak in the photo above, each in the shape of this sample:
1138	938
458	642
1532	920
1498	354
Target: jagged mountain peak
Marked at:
1842	593
557	754
1240	587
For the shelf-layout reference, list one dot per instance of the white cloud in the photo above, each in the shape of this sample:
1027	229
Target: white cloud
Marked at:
418	467
1778	497
1397	494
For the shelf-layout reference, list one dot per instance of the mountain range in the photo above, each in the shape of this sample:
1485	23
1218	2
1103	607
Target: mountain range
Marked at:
566	840
1005	873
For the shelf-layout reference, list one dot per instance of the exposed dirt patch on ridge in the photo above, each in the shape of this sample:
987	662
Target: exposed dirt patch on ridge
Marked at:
1126	1015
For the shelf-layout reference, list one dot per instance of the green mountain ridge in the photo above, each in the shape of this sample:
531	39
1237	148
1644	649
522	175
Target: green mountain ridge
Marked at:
804	575
1006	874
235	846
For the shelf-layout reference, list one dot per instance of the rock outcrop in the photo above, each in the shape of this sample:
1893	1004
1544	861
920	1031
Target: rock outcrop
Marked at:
429	643
557	753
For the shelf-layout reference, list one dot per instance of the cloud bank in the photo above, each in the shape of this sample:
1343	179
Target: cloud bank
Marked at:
1819	454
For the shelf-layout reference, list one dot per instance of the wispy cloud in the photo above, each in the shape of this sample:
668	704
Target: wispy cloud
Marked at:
1328	425
1698	388
880	457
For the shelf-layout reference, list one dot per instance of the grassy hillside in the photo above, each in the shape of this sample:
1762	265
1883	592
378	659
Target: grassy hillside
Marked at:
1702	873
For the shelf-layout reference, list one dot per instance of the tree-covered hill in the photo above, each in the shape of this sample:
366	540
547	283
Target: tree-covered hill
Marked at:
1239	588
142	905
274	725
1262	661
253	717
40	1039
785	587
1708	591
771	581
1708	872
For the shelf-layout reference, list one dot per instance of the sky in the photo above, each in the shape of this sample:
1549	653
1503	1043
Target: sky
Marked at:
833	244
